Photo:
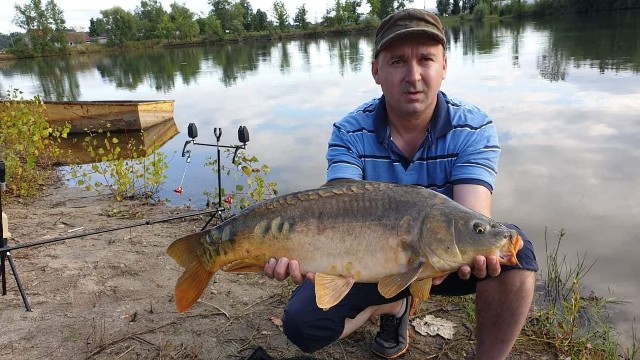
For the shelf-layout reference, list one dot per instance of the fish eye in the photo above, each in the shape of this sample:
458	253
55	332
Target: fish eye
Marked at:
478	228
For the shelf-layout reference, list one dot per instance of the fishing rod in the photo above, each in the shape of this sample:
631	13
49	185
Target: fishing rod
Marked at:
6	249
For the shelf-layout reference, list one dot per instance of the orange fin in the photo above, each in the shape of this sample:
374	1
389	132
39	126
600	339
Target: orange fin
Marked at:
191	285
390	286
246	265
420	289
185	250
330	289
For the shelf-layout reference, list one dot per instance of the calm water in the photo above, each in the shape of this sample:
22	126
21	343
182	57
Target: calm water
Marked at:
565	96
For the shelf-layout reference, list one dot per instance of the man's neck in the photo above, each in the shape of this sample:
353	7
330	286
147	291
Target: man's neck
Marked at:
408	134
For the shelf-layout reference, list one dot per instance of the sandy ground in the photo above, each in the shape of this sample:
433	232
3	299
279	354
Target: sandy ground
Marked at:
110	296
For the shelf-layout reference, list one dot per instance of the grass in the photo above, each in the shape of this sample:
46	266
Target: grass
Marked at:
562	323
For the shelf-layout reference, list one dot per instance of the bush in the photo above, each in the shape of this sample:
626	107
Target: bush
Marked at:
28	145
480	12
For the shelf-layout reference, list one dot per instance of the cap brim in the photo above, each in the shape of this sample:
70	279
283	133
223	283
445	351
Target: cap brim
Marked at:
431	33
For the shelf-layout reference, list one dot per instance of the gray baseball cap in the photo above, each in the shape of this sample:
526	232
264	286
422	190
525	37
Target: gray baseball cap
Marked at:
406	22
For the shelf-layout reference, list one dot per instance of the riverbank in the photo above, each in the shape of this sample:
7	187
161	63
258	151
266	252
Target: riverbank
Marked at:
111	295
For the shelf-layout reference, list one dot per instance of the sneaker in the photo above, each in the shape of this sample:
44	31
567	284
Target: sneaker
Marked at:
392	340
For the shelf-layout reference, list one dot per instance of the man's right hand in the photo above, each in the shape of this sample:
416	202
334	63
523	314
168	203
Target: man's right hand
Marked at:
284	268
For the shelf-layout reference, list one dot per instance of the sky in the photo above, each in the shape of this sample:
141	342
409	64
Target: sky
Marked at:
77	13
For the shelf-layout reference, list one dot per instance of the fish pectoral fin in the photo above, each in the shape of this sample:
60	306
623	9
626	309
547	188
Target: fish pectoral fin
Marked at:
330	289
390	286
245	265
191	285
420	289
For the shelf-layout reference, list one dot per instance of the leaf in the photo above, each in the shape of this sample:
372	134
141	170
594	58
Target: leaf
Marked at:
276	321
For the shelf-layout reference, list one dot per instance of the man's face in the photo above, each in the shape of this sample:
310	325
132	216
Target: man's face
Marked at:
410	71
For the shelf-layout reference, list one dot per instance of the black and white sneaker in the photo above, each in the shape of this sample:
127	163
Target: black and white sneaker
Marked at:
392	340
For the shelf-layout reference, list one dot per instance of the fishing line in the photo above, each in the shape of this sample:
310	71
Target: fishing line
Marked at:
179	188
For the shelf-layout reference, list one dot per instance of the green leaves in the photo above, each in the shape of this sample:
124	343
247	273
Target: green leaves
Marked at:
248	170
122	166
28	145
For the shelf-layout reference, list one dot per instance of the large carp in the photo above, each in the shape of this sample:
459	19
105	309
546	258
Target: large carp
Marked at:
346	232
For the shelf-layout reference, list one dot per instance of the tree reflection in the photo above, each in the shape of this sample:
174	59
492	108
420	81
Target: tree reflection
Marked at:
236	60
56	76
347	51
157	67
607	42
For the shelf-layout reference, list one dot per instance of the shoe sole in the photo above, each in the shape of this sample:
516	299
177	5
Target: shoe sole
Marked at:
402	352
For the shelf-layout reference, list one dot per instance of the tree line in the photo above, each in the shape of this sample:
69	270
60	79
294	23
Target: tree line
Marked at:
45	26
481	8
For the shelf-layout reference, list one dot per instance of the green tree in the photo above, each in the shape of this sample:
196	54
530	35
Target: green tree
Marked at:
182	18
222	11
6	40
300	19
443	6
281	15
468	6
343	13
247	14
44	26
211	28
150	16
120	25
96	27
455	7
260	21
350	10
387	7
166	29
374	7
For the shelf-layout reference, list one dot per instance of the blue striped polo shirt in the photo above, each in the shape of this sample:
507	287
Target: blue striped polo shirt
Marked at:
460	147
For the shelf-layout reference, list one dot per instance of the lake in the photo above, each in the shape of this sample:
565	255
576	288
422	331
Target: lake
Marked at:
565	95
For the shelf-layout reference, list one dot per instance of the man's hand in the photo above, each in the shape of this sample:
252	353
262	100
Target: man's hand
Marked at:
481	268
284	268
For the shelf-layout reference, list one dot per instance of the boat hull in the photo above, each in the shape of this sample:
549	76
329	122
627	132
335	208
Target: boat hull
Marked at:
91	116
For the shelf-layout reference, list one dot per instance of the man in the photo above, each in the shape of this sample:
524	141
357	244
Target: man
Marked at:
415	134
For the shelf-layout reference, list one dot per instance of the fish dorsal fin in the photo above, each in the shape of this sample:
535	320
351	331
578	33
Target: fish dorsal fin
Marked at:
254	265
390	286
330	289
420	288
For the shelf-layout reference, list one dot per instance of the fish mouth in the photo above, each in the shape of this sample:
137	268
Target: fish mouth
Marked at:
507	253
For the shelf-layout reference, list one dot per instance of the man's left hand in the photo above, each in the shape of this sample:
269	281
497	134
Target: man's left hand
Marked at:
481	268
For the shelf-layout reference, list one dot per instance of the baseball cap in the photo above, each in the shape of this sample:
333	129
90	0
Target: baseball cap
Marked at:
408	21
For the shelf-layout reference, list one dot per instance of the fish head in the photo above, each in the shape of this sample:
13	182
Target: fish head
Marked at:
453	235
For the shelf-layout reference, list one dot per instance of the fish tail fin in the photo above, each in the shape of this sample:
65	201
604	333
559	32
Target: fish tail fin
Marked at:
186	252
191	285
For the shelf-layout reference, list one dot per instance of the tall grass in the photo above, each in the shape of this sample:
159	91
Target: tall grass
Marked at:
568	323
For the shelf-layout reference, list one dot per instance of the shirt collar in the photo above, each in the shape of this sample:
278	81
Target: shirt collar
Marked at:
439	125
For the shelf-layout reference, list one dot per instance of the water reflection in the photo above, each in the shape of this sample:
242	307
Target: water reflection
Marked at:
132	144
348	52
605	43
55	77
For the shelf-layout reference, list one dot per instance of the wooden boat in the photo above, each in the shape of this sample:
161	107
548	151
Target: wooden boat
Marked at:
91	116
133	144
